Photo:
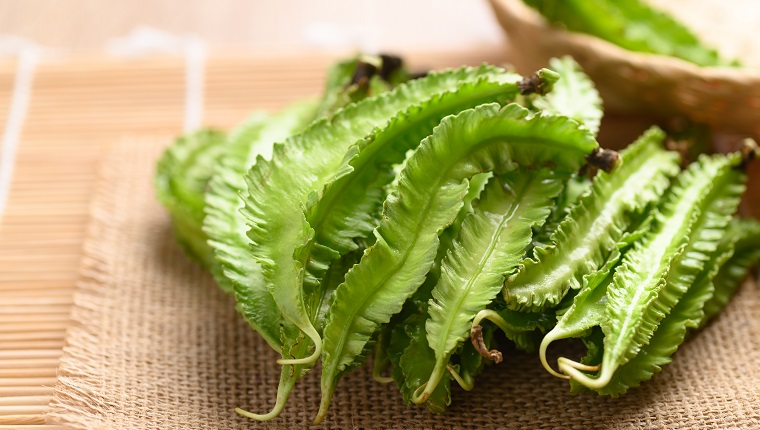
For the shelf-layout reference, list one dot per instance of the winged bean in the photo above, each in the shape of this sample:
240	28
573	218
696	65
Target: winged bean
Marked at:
427	200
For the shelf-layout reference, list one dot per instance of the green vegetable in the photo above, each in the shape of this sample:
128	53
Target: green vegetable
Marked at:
630	24
427	200
416	363
301	167
390	225
574	189
690	275
190	162
181	178
224	224
743	240
657	271
227	226
490	245
291	373
588	306
588	236
573	95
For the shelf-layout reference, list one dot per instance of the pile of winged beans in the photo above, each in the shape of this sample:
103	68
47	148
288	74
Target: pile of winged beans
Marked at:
413	218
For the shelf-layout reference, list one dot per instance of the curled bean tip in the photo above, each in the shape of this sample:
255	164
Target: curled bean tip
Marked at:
421	394
548	339
573	369
466	384
476	337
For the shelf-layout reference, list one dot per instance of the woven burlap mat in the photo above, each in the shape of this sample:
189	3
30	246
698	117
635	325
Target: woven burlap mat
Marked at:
157	346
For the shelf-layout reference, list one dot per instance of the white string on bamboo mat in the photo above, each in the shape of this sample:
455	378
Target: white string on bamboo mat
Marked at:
28	56
362	36
146	40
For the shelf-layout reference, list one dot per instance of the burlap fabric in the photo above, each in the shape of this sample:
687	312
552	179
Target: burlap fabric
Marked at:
157	346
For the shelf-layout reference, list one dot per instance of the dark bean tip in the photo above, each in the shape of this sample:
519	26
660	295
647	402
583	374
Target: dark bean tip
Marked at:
530	84
749	152
363	73
540	83
604	159
389	63
476	337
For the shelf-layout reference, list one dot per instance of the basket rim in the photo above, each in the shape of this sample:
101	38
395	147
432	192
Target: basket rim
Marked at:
527	16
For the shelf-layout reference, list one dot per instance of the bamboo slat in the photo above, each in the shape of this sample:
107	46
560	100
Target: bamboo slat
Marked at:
34	418
24	400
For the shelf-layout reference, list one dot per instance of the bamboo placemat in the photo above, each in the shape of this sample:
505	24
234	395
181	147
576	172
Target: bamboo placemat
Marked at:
78	108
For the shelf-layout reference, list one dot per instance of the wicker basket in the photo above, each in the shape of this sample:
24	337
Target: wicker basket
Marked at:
632	83
727	99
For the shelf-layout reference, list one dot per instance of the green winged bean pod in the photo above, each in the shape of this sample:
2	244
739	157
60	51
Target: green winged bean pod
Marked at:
691	275
586	312
656	272
234	269
182	174
428	198
743	240
223	223
187	165
490	245
639	169
575	187
225	227
589	235
301	166
494	236
415	363
347	207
